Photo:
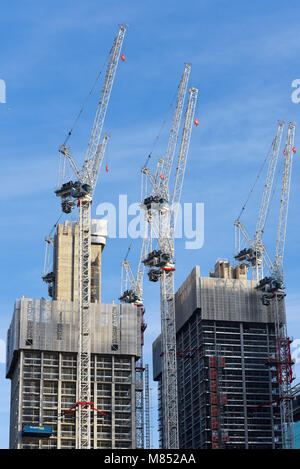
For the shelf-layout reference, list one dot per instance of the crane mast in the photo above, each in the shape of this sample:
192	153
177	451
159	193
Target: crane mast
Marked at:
167	291
256	253
272	287
168	159
274	283
264	208
90	161
83	190
273	292
182	159
161	212
160	216
284	203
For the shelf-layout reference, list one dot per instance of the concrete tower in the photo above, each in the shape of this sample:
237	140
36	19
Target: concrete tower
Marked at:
42	344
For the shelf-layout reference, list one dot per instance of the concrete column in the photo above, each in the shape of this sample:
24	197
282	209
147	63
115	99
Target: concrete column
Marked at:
20	413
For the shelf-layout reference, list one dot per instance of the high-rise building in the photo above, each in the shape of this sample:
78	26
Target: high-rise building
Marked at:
225	337
296	409
42	347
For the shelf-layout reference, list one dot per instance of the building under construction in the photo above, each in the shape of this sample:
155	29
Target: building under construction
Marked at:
227	381
42	357
232	361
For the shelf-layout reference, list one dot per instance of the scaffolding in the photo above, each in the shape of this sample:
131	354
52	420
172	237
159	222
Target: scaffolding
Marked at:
218	400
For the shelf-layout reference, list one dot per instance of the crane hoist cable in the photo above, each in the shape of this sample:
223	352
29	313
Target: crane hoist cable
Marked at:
160	130
85	102
255	182
61	165
55	224
128	250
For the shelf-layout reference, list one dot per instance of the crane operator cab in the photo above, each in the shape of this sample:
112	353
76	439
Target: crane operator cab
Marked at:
157	261
129	296
155	202
249	255
80	190
271	287
157	258
72	190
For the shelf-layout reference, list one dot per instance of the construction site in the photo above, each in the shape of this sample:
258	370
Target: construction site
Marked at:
222	361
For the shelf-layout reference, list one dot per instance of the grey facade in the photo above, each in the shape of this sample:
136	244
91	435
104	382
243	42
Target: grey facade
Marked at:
42	365
224	337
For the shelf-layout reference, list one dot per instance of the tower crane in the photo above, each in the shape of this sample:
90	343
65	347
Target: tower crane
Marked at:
256	253
272	287
131	284
167	292
273	291
161	262
274	283
82	190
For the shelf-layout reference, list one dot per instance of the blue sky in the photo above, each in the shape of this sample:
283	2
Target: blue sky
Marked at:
244	58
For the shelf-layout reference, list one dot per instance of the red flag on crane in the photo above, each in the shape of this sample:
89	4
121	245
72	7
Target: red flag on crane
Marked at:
294	150
196	122
123	57
106	168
